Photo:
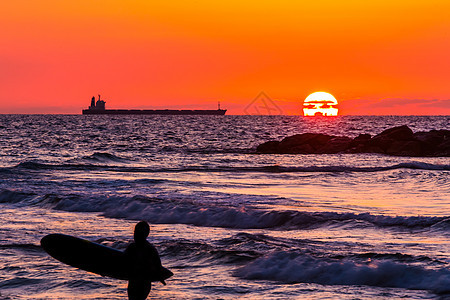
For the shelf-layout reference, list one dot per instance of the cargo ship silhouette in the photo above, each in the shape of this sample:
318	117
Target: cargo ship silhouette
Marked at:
98	108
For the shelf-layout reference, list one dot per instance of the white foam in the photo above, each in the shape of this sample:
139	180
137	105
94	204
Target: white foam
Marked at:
292	267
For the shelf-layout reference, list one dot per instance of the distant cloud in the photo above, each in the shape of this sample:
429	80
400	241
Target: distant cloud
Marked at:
396	106
438	103
385	103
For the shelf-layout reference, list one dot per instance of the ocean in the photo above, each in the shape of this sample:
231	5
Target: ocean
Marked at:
230	224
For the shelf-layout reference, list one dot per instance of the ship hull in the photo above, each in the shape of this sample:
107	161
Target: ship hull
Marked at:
217	112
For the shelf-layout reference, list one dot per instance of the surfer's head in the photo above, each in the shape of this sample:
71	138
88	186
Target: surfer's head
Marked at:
141	231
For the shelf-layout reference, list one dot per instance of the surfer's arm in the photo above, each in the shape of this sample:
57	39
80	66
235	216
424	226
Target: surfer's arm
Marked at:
156	261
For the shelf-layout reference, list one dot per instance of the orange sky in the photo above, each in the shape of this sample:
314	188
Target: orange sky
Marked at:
375	57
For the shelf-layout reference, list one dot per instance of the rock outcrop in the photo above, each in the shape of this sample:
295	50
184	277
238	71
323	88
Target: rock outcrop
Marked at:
398	141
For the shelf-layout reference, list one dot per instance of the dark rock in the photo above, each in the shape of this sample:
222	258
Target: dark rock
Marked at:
400	141
365	148
443	149
403	133
335	145
360	139
404	148
385	139
303	143
372	149
429	140
381	142
363	137
301	149
268	147
315	140
433	137
434	142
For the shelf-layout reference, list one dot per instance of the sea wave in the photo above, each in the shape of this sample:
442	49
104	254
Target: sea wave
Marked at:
238	248
295	267
226	169
22	247
104	157
201	214
182	211
201	253
246	247
19	282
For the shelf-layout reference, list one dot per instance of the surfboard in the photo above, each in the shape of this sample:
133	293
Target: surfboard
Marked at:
91	257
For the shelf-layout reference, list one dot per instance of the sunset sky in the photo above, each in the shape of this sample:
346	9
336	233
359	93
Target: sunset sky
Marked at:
375	57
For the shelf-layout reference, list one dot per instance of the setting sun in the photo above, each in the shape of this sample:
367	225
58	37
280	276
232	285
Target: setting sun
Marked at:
320	104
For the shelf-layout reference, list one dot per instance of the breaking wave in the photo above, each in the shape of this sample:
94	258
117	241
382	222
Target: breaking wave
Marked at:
164	211
109	158
293	267
103	157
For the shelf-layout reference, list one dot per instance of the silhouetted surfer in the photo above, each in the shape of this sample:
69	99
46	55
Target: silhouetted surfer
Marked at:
144	263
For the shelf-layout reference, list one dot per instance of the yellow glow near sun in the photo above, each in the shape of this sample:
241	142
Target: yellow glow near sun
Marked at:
320	104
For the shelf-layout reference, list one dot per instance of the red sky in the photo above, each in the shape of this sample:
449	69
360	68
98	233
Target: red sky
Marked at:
375	57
